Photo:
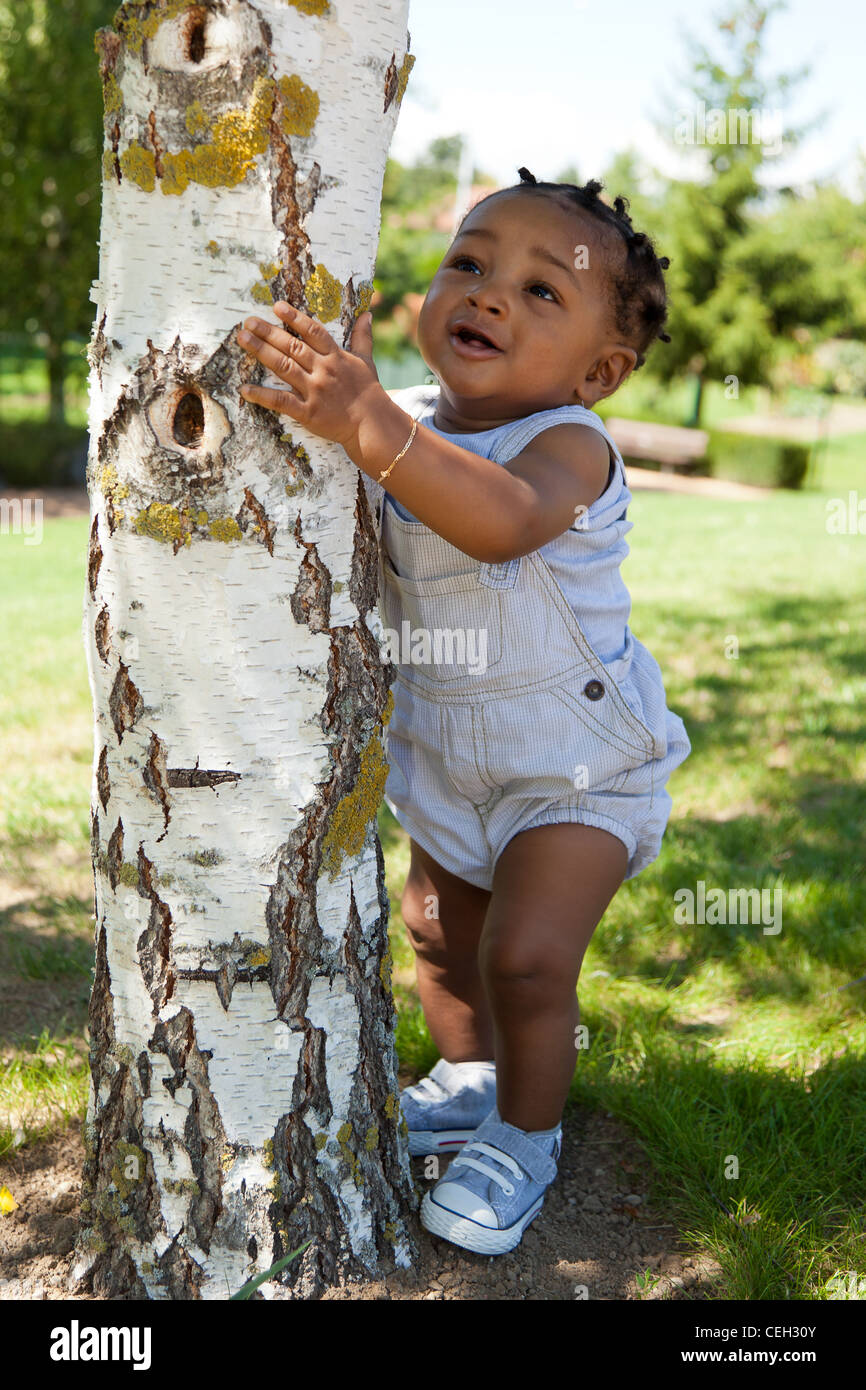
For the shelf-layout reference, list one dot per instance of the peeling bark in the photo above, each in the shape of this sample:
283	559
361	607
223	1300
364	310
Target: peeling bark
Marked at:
243	1078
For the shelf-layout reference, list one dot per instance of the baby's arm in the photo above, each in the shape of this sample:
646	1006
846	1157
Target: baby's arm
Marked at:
490	511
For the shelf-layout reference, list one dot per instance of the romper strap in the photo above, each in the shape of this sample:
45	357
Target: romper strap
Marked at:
501	575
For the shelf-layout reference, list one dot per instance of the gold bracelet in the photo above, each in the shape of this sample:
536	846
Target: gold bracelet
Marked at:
401	453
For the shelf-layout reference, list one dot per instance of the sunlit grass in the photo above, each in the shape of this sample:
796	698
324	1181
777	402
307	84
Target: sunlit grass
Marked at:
711	1041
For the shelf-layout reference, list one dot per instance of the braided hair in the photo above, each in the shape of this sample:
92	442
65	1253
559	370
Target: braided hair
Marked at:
637	288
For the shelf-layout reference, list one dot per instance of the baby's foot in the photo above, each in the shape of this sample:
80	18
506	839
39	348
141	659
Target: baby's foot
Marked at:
493	1189
445	1108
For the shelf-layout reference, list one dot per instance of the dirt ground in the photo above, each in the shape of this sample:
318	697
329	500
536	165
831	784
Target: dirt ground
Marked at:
595	1233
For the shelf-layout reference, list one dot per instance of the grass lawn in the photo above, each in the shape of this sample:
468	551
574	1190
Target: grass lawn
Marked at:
735	1054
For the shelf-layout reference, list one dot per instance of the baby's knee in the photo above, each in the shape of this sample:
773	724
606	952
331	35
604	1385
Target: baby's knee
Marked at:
524	973
435	941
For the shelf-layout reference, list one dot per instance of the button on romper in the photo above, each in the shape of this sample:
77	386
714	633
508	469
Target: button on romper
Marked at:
509	712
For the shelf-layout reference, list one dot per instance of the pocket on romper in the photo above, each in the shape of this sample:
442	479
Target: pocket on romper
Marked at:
455	626
609	740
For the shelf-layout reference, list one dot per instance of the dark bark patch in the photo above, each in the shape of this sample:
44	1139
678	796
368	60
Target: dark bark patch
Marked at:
204	1136
158	148
94	557
265	526
103	782
188	422
287	214
154	943
125	703
98	347
364	575
115	856
392	81
101	1016
199	776
318	1215
102	634
311	599
195	36
154	774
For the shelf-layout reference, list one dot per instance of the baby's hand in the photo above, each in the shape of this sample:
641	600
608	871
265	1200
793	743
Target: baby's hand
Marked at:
331	390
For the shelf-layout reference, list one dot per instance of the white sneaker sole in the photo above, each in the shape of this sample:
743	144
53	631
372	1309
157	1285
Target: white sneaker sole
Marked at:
460	1230
437	1141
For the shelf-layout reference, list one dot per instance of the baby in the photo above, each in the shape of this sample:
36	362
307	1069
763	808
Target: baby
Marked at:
530	741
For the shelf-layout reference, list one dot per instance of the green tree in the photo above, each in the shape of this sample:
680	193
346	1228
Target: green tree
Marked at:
720	323
50	146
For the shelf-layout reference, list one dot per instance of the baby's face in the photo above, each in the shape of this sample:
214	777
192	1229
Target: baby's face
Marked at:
527	272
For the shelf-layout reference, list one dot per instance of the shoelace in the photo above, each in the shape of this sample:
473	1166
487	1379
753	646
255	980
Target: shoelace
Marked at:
498	1155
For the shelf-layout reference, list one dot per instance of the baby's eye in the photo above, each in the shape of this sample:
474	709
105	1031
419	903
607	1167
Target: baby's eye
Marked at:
463	260
539	285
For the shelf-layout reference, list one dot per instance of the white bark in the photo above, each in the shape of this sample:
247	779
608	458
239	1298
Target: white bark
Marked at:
241	1020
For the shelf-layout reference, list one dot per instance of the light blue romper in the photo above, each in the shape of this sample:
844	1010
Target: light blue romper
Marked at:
511	713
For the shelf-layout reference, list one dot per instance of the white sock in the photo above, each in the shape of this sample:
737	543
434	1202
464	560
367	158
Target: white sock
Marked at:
459	1075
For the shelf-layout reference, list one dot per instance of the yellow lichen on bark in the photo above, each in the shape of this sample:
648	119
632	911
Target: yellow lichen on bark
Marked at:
351	817
159	521
300	106
162	522
365	297
225	529
225	160
109	483
261	291
112	100
196	119
311	6
406	67
139	165
324	294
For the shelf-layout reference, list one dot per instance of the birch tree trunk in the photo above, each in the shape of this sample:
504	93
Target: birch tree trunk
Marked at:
243	1079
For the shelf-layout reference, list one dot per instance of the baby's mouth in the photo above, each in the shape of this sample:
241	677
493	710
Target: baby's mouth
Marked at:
471	342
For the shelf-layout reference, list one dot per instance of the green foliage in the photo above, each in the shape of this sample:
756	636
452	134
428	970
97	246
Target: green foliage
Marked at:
841	366
429	178
50	146
38	453
719	322
757	459
410	245
407	260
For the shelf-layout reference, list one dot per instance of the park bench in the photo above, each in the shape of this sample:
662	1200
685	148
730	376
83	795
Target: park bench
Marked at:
671	446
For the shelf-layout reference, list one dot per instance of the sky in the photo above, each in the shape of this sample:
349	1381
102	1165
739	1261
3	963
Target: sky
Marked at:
551	83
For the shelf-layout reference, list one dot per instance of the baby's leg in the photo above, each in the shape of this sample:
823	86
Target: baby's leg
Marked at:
551	885
444	918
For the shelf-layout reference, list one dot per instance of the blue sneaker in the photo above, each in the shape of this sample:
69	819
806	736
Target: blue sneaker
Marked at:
445	1108
493	1189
